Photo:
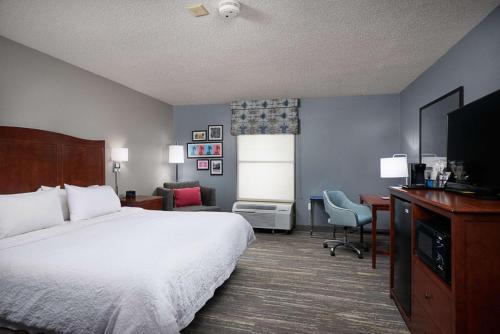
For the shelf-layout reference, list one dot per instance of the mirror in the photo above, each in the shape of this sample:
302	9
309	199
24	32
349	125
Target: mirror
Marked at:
434	126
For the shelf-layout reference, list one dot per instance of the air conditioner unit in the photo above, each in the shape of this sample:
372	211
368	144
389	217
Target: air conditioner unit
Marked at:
274	216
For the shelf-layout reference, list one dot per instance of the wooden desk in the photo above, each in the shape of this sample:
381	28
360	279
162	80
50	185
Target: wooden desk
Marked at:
377	203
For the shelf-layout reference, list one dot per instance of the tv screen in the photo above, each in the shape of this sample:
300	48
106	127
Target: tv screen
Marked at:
473	148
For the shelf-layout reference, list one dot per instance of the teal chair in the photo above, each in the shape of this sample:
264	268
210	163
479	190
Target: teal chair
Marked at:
347	214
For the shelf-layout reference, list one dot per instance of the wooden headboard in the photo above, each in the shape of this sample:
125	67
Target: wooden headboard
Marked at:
30	158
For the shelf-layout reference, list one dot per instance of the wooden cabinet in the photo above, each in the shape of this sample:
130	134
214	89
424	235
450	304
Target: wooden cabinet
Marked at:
432	296
421	322
470	301
145	202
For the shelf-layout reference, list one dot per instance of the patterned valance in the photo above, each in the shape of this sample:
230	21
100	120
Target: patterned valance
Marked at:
273	116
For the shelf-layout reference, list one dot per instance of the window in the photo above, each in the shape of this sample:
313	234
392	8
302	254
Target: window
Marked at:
266	167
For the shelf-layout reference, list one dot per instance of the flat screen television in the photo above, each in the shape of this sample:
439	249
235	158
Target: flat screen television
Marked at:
473	148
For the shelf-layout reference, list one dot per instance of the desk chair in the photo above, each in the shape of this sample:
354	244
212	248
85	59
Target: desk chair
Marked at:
345	213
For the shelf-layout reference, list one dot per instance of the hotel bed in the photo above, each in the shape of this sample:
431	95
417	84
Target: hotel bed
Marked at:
131	271
135	271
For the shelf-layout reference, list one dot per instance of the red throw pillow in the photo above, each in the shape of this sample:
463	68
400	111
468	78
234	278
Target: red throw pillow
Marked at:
187	197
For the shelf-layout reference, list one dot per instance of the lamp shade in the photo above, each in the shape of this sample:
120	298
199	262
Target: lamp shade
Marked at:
176	154
119	154
393	167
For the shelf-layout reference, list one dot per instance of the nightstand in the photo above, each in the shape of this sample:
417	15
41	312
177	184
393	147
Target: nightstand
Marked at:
145	202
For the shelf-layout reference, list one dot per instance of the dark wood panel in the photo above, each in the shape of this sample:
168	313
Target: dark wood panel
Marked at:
145	202
481	290
429	294
30	158
153	205
421	322
447	201
25	165
82	165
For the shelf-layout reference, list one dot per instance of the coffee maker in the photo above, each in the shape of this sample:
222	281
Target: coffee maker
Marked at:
416	175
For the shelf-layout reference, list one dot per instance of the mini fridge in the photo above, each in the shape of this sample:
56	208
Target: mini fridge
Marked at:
402	253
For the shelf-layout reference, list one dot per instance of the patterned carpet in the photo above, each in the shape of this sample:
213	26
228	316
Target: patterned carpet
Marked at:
290	284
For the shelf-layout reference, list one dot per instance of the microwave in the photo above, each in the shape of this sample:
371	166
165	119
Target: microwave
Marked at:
433	246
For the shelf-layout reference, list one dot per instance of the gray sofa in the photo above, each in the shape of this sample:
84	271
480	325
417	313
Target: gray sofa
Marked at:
207	196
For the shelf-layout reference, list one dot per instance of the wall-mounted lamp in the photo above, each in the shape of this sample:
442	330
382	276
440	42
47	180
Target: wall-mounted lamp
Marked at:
176	156
118	155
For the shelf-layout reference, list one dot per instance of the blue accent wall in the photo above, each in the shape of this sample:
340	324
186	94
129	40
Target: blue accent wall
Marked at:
189	118
339	147
474	62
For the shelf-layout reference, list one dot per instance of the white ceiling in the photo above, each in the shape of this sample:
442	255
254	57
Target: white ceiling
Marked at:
301	48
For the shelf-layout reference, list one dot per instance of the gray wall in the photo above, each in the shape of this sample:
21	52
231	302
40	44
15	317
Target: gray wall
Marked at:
189	118
341	142
474	62
39	91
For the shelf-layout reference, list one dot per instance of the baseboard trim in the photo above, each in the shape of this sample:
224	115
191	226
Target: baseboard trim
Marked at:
328	229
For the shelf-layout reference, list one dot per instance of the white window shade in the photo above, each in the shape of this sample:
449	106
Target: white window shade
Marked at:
266	148
271	181
266	167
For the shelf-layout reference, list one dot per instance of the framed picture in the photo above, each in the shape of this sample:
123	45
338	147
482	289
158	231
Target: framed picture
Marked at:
215	132
216	167
202	164
204	150
199	135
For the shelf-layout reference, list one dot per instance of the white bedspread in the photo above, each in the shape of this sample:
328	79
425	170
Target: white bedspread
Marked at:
135	271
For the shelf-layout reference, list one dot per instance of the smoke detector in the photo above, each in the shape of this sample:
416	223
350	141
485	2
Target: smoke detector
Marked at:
229	8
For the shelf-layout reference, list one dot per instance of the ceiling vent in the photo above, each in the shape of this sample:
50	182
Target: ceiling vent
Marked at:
198	10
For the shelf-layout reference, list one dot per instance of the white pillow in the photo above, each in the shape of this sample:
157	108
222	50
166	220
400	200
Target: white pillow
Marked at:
90	202
63	197
26	212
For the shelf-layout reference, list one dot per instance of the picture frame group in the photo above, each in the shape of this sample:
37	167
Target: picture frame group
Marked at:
199	135
214	133
204	150
214	165
202	164
207	144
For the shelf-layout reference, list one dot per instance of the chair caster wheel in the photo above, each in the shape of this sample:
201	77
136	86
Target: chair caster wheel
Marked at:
325	244
360	256
332	252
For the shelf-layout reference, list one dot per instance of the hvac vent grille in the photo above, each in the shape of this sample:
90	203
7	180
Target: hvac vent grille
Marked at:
259	220
256	207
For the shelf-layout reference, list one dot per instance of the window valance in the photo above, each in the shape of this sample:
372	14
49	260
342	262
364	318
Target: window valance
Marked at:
273	116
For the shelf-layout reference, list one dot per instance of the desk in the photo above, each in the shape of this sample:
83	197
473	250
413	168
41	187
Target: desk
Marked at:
313	201
377	203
